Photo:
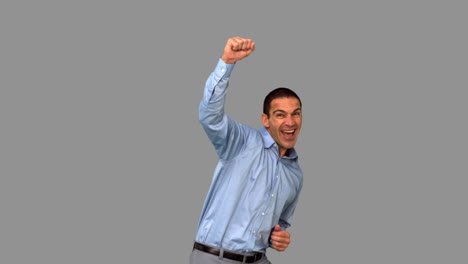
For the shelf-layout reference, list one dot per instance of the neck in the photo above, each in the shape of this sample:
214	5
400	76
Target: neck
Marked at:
283	152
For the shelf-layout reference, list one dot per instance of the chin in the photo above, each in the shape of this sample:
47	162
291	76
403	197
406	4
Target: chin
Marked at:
289	146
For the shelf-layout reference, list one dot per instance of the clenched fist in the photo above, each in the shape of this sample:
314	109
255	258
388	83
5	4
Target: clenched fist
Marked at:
280	239
236	49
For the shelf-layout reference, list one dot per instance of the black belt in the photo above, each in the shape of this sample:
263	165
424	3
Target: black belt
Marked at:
229	255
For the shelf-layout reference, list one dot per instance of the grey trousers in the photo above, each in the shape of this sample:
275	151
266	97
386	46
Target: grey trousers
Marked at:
200	257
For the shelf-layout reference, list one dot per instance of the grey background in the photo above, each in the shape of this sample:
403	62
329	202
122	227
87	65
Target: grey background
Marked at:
103	159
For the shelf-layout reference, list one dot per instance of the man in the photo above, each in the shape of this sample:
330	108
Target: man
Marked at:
257	181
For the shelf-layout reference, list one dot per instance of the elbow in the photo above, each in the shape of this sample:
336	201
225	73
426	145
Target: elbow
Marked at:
209	117
204	118
202	113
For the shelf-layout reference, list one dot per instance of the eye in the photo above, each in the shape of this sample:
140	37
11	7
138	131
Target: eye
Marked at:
279	115
296	114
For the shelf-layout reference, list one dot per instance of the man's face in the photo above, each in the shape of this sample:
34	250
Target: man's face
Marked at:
284	122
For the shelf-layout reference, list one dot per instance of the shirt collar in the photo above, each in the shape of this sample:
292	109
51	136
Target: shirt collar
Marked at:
268	142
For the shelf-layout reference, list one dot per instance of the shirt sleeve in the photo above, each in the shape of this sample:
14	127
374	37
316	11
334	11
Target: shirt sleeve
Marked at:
224	132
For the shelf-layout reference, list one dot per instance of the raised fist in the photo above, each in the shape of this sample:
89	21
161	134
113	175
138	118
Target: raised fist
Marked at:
236	49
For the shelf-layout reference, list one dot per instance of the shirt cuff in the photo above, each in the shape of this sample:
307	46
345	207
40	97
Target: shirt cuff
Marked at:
223	70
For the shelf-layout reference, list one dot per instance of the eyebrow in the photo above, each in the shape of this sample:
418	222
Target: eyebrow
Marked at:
279	110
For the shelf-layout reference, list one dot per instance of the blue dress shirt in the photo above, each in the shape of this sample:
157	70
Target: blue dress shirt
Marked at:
253	189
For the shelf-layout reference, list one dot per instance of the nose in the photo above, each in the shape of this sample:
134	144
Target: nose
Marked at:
290	121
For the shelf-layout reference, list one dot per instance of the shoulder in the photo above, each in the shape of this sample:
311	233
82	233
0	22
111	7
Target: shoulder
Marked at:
252	135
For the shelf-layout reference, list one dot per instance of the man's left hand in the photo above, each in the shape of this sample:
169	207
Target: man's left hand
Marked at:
280	239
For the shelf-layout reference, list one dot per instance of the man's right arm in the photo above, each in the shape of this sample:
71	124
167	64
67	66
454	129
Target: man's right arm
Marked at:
223	131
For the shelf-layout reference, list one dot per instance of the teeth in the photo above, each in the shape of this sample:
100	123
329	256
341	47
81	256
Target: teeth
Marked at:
289	132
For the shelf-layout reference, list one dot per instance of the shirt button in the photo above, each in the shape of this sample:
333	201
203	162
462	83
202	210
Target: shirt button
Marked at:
263	213
223	70
254	231
272	195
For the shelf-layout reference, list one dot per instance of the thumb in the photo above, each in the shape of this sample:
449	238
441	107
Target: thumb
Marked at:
277	228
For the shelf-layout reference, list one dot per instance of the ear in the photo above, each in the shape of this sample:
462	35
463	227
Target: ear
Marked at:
265	121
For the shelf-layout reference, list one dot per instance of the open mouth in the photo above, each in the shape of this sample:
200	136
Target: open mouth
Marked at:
288	134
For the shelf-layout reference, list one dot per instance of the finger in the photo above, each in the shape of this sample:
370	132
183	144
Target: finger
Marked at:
281	233
243	43
250	45
246	44
240	43
234	43
280	239
279	246
277	228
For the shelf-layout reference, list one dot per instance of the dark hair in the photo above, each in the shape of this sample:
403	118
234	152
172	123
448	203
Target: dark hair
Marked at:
280	92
